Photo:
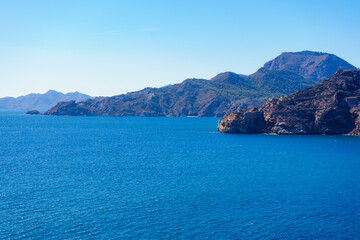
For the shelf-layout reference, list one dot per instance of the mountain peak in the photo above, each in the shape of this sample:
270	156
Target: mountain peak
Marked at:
314	66
224	75
229	77
51	91
307	53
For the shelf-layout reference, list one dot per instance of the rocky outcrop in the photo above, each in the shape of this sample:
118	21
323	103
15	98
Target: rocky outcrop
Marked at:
329	107
224	93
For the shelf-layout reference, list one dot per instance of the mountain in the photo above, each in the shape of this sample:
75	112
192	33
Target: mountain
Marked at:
224	93
329	107
40	101
314	66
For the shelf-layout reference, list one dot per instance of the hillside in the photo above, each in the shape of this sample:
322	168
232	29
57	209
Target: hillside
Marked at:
224	93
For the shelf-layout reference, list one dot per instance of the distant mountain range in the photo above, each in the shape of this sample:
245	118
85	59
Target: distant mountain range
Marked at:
40	101
226	92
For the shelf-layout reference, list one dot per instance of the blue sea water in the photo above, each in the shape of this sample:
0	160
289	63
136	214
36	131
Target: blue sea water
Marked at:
172	178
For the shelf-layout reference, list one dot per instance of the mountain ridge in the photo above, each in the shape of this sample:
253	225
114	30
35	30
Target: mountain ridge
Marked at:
223	93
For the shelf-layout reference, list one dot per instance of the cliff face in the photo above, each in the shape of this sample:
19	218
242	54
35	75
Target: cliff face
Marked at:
329	107
224	93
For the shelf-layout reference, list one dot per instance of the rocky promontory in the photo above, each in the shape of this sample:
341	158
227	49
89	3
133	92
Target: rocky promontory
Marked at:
329	107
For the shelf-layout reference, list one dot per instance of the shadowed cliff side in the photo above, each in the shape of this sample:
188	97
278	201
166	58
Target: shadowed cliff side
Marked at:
329	107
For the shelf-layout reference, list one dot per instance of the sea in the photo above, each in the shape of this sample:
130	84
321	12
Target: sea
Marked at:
64	177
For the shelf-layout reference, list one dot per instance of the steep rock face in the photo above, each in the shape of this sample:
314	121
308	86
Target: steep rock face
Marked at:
224	93
329	107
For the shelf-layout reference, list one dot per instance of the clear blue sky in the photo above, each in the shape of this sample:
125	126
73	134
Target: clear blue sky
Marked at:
108	47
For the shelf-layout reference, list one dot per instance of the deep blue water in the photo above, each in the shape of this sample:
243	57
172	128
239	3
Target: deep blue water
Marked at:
172	178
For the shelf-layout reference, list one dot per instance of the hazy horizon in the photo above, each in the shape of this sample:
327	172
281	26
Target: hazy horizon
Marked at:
113	47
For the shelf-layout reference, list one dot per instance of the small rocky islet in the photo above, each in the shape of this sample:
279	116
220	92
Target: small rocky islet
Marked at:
329	107
33	112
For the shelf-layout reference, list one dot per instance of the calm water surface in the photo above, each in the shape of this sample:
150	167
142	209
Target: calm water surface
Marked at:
172	178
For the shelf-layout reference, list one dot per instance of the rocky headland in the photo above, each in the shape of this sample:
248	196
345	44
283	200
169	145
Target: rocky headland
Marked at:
329	107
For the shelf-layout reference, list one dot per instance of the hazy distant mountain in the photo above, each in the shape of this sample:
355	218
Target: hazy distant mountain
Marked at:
40	101
224	93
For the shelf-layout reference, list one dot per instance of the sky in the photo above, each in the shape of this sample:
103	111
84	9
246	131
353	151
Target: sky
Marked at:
110	47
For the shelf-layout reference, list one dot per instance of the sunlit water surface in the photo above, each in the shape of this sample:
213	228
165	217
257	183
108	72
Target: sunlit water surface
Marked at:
172	178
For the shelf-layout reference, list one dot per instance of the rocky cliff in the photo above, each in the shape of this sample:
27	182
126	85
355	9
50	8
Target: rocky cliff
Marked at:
329	107
224	93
